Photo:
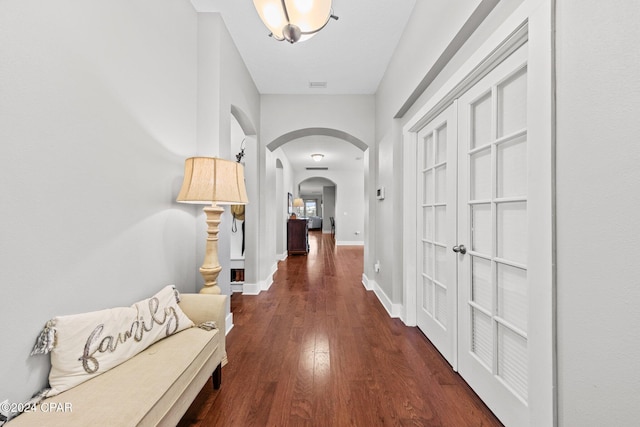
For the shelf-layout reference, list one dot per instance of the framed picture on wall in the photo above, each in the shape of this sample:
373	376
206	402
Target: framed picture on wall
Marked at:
290	203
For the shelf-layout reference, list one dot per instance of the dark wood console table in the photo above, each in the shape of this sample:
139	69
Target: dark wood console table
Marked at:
297	237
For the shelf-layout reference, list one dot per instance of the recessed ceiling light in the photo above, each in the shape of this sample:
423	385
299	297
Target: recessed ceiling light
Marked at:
317	157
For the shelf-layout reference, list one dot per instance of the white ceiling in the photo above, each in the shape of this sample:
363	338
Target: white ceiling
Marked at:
350	54
338	154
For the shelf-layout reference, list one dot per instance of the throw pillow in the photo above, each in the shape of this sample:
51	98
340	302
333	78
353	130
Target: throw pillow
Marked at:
89	344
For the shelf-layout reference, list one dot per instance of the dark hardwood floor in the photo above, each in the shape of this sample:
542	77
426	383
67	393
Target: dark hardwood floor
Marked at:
317	349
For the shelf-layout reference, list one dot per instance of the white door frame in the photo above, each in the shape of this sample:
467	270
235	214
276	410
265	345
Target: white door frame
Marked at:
532	22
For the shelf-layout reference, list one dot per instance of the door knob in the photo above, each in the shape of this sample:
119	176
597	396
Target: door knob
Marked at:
460	249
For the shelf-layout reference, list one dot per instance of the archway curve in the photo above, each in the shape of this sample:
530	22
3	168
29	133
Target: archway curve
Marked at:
243	120
316	177
300	133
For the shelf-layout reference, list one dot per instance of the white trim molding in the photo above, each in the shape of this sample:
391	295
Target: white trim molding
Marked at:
266	283
349	243
251	289
228	322
365	282
262	285
395	310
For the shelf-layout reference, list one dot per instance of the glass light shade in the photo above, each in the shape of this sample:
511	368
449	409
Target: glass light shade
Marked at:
308	15
317	157
211	180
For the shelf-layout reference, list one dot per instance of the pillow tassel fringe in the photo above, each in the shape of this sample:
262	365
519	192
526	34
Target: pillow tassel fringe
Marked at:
46	340
208	325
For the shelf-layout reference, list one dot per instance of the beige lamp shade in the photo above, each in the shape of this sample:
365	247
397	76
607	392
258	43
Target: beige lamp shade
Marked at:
211	180
298	203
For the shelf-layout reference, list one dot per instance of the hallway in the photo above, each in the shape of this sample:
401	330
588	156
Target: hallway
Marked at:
317	349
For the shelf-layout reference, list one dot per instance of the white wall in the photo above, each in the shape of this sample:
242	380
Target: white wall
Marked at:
252	210
268	258
353	114
438	22
598	227
413	61
282	202
431	28
225	84
97	113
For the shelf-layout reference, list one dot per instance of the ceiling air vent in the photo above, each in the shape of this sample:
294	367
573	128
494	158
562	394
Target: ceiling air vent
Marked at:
317	85
318	169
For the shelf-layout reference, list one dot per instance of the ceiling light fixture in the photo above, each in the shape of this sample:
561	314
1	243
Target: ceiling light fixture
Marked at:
317	157
294	20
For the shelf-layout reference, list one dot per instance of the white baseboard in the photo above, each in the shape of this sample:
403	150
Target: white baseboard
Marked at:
237	287
366	283
394	310
228	323
251	289
266	284
283	256
262	285
349	243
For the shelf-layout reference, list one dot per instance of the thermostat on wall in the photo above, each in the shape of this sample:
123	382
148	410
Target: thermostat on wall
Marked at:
380	193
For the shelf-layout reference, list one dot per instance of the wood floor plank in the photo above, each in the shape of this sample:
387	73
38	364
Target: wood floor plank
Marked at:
317	350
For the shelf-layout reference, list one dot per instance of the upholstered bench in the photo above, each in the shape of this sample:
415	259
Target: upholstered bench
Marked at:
155	387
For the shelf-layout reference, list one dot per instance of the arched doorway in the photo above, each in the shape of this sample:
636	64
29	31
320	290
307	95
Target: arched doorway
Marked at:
319	196
342	164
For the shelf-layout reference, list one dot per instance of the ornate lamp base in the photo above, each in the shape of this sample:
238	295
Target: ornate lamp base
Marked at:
211	266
